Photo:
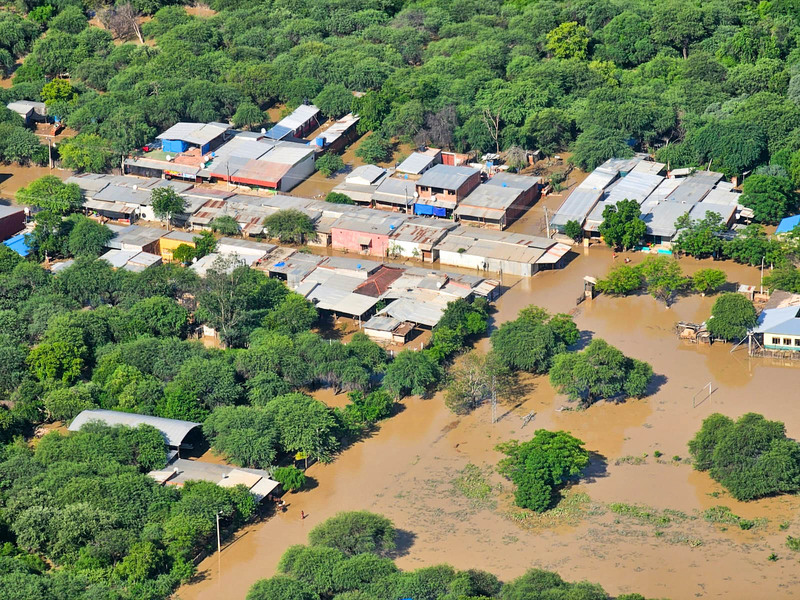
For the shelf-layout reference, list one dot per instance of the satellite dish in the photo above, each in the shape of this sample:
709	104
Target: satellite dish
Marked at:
135	187
263	131
416	194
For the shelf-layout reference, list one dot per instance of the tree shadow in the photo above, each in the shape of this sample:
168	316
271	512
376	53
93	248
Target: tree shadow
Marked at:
586	337
518	389
404	540
656	383
311	484
596	469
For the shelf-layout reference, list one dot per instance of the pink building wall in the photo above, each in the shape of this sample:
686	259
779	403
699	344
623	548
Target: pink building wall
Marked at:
345	239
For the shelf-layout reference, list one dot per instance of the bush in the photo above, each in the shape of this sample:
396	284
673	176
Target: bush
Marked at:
574	230
291	478
337	198
329	163
620	281
355	533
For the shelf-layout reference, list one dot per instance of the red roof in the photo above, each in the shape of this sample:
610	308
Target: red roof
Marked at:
377	283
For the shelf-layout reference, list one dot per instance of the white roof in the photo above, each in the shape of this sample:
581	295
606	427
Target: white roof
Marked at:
193	133
173	430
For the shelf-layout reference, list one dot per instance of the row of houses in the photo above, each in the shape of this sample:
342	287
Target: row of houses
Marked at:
349	228
662	198
444	191
277	159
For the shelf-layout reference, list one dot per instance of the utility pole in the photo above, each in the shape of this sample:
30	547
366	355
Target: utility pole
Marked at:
50	152
494	401
219	545
547	222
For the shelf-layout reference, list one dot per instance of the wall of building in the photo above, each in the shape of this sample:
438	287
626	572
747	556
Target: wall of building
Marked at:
11	224
480	263
345	239
298	173
167	245
774	341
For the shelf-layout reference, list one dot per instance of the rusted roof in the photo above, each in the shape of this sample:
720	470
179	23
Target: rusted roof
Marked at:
379	282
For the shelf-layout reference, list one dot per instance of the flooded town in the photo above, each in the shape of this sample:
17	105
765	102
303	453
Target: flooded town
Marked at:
399	300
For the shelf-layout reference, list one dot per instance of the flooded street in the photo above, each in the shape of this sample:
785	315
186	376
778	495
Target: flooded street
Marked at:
406	471
14	176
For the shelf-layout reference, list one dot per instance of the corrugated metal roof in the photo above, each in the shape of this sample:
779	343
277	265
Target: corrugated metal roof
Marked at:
365	175
446	177
395	191
382	323
427	311
174	431
779	321
660	219
520	182
634	186
193	133
416	163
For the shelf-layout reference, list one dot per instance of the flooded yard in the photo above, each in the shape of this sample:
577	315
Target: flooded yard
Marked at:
413	469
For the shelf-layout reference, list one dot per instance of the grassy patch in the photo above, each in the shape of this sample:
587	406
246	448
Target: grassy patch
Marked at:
723	515
472	483
631	460
793	543
573	507
648	515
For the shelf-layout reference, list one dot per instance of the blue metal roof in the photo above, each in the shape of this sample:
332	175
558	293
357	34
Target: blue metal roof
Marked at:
18	245
278	132
787	224
779	321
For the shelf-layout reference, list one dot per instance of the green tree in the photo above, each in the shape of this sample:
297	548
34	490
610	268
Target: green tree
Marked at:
51	194
306	426
786	277
289	225
159	317
184	254
355	532
281	587
374	149
573	230
86	152
530	342
597	144
329	163
620	281
622	226
247	435
708	280
292	315
58	90
600	371
678	24
204	244
334	100
87	237
662	277
70	20
540	466
731	317
752	246
626	40
771	198
225	225
568	40
63	404
751	457
248	115
167	203
411	373
58	360
337	198
291	478
699	238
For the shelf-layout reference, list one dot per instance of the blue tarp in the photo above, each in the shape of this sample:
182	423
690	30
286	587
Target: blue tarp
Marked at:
174	146
787	224
18	245
422	209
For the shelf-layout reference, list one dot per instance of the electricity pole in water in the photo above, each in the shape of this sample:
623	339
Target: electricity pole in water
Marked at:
219	545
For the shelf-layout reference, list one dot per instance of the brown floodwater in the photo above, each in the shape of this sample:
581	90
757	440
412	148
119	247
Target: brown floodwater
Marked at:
14	176
405	471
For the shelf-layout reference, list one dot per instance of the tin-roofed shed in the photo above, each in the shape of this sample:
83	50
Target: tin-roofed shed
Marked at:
175	432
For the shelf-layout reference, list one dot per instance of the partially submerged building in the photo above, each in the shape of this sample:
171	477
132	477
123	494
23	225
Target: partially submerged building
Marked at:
417	238
30	111
131	260
420	161
338	134
442	187
500	201
361	184
780	328
12	221
500	252
300	122
181	137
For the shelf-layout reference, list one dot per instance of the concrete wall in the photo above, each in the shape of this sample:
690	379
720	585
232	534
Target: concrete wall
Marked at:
344	239
298	173
470	261
770	340
457	195
167	245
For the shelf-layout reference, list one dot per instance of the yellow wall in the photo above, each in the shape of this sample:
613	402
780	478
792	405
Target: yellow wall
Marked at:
168	245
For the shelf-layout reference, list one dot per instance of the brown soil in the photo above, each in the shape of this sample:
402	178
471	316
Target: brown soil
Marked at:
202	11
407	470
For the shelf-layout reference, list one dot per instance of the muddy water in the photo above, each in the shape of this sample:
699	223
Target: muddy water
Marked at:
406	470
14	176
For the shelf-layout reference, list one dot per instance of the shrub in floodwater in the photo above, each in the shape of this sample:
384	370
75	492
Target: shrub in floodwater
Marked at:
772	557
792	543
658	454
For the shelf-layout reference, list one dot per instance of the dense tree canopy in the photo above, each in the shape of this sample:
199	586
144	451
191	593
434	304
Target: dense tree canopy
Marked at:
751	457
731	317
622	226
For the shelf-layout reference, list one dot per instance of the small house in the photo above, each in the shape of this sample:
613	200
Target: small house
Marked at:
417	238
303	120
363	236
388	330
361	183
183	136
441	188
338	135
500	201
31	112
780	328
418	162
395	194
169	242
131	260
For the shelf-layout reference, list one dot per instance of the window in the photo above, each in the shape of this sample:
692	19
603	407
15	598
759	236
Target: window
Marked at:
787	341
797	341
776	341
